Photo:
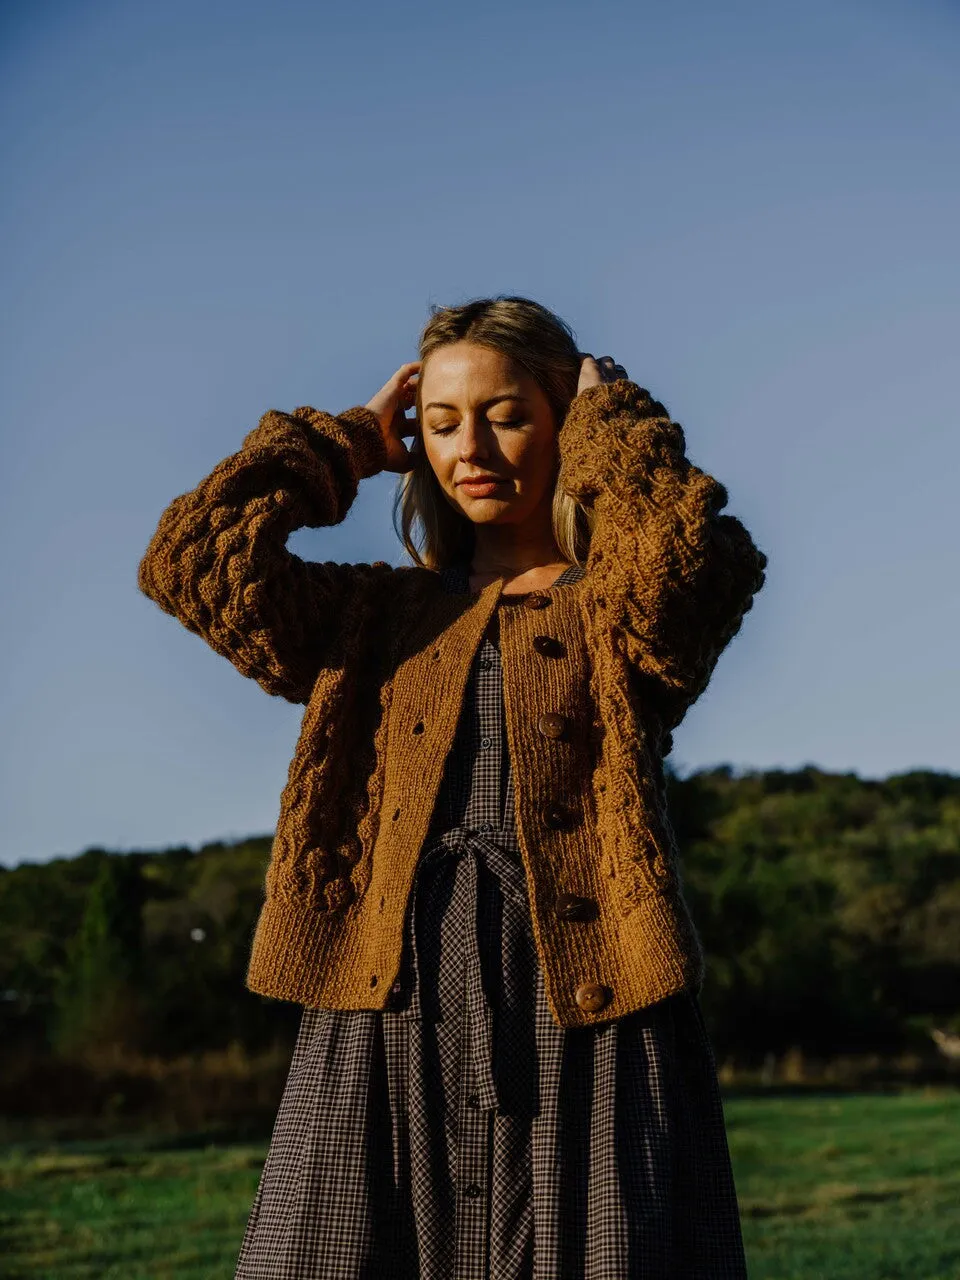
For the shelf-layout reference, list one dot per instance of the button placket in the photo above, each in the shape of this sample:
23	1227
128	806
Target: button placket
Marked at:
475	1119
478	1020
473	1148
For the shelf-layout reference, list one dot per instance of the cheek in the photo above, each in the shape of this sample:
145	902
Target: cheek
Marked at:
440	455
534	457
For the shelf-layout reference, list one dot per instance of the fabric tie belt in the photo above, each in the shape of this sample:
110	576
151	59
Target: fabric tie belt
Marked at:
465	845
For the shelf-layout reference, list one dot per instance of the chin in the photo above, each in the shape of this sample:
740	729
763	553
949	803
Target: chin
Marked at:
486	510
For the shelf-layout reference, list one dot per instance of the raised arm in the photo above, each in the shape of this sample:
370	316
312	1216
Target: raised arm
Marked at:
218	560
673	574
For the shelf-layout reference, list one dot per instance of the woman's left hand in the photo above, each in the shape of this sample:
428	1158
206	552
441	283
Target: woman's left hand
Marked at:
593	372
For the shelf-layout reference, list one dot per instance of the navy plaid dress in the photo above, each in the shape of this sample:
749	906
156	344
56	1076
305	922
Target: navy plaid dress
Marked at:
460	1134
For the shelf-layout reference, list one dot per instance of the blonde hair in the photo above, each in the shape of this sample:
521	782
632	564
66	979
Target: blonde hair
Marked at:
546	347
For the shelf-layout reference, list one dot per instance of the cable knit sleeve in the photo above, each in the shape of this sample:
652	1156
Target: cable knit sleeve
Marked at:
674	576
218	560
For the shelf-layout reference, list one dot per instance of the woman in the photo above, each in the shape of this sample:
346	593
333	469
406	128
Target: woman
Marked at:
502	1069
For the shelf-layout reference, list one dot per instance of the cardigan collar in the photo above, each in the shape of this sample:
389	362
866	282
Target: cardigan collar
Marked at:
455	577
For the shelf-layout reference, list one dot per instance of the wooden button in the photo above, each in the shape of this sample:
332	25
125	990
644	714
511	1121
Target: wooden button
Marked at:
570	906
556	816
552	724
548	646
536	601
590	996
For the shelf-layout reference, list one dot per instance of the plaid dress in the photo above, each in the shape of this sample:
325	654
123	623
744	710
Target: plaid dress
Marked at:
460	1134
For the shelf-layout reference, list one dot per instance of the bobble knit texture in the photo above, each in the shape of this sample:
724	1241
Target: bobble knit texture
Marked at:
380	657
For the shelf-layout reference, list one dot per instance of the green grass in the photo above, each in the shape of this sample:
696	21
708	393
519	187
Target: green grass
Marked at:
122	1211
864	1187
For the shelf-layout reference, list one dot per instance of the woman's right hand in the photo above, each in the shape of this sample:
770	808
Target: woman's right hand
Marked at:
390	405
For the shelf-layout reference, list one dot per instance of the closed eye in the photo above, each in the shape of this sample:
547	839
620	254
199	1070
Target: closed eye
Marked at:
513	422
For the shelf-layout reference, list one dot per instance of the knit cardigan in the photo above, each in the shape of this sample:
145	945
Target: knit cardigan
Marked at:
380	656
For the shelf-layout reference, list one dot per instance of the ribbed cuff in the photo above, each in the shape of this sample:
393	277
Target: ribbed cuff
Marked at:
370	448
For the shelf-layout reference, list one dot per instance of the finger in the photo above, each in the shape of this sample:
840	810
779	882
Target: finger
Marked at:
405	370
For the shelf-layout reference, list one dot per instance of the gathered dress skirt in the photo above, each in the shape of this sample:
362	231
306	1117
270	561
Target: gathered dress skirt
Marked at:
460	1133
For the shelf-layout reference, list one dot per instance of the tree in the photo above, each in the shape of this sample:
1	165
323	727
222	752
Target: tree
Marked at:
99	1004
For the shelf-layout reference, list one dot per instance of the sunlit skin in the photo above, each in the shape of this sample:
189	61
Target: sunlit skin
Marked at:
485	415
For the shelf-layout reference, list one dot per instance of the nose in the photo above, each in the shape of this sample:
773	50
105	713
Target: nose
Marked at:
473	439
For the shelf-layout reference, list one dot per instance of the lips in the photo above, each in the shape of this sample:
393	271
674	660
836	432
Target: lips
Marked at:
482	486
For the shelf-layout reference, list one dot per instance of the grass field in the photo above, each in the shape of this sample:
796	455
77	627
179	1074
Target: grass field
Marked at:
863	1187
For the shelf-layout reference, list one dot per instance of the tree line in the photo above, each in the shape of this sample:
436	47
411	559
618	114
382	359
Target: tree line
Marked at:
828	906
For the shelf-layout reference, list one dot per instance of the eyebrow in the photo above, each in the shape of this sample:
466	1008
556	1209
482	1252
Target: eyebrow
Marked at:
436	404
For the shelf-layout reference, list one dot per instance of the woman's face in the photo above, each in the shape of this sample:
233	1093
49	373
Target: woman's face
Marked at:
483	414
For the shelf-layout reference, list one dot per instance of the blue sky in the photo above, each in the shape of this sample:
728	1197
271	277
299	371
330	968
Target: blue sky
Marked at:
213	210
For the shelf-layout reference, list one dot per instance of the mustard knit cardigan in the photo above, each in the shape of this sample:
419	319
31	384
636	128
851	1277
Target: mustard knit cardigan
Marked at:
380	657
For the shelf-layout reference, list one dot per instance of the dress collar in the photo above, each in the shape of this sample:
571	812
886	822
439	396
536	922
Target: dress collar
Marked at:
455	577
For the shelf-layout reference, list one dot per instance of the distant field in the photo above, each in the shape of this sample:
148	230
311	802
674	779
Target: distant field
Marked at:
846	1188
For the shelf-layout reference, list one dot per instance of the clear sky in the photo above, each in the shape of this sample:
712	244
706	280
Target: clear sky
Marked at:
213	210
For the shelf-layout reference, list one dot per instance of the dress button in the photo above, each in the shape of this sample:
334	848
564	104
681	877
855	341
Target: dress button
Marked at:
472	1190
548	646
485	826
572	907
473	1100
397	988
556	816
485	743
552	724
590	996
536	601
